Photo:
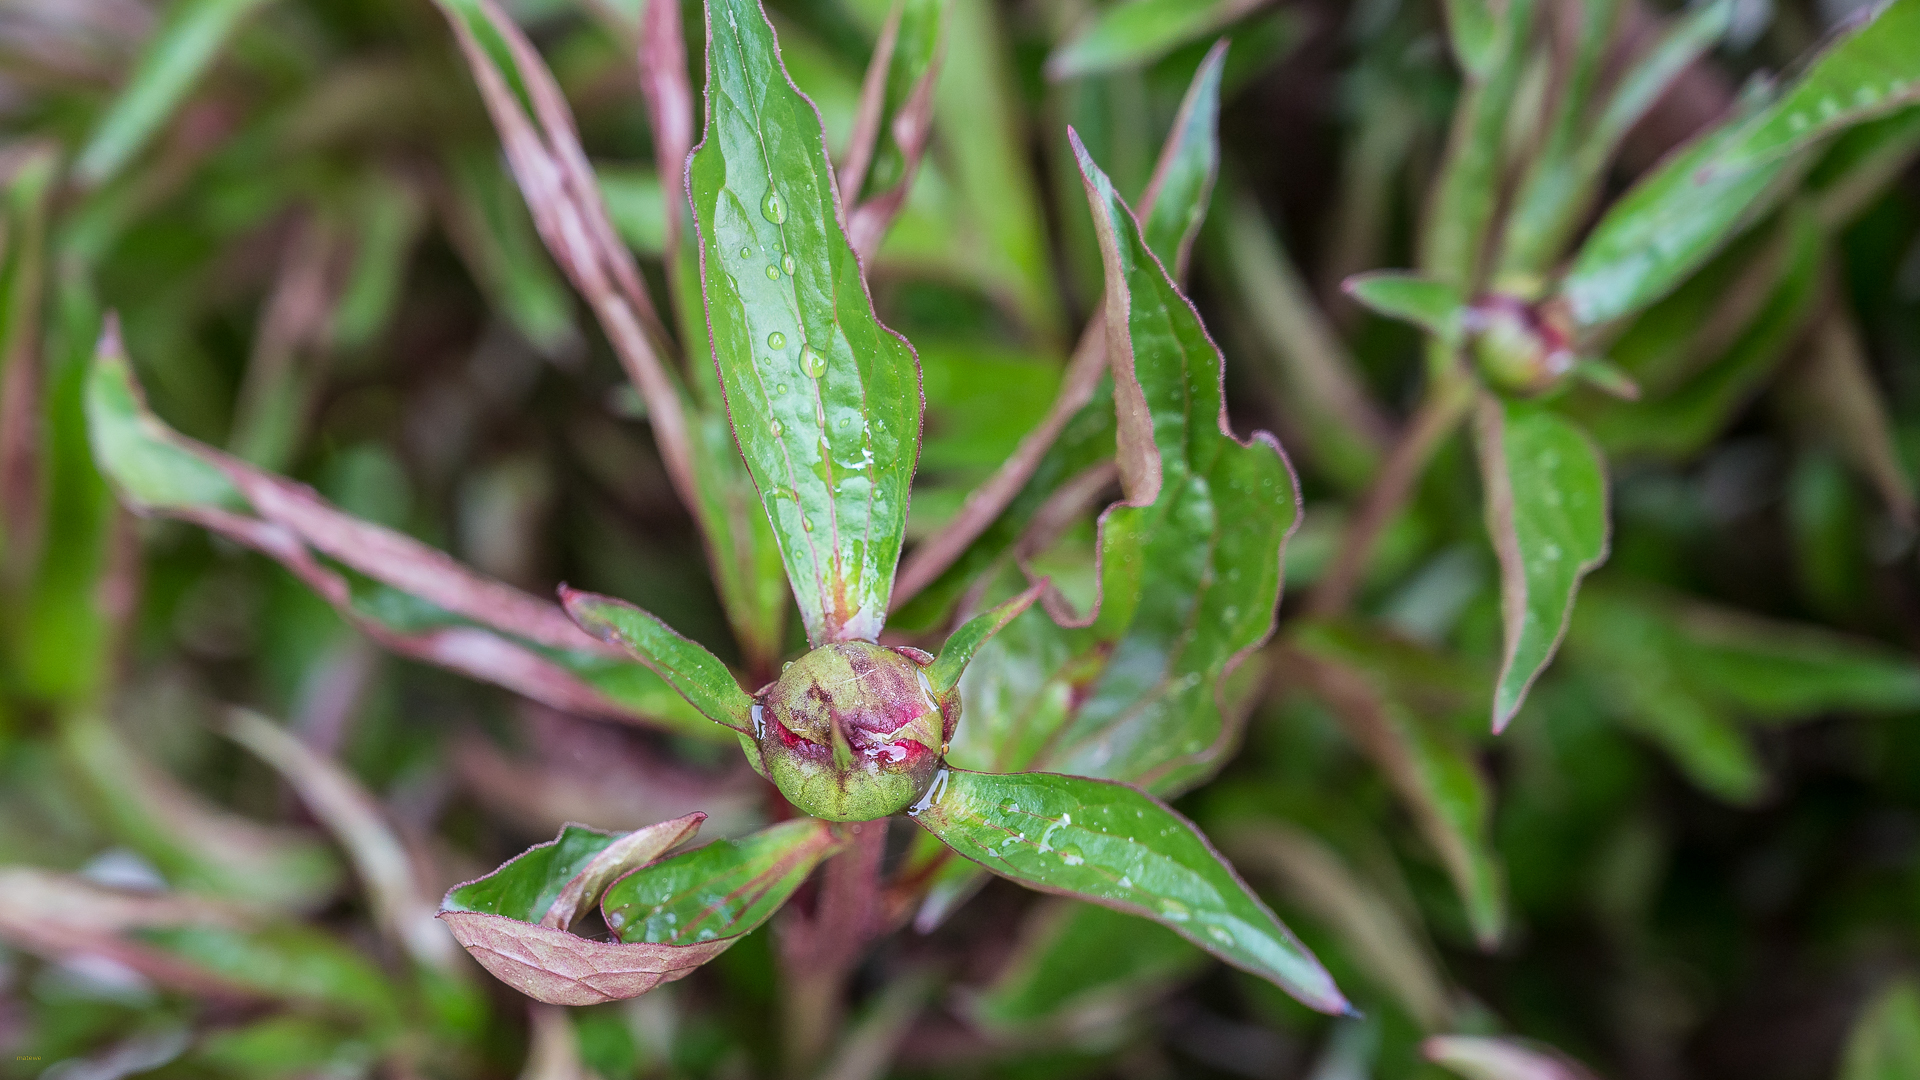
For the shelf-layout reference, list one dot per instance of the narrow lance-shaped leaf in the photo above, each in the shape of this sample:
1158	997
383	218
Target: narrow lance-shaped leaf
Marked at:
1173	207
1561	191
352	815
1367	683
1434	306
1676	217
697	674
714	895
186	44
1138	32
1116	845
1175	202
1478	31
514	921
824	400
28	172
1546	510
961	645
1075	960
1461	207
424	605
896	116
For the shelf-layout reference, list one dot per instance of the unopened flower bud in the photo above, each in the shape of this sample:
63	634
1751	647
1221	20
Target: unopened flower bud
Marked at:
1519	348
853	731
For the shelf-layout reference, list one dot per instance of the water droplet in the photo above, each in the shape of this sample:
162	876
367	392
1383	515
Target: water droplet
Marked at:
776	340
776	428
812	362
1071	855
806	522
1220	934
774	210
781	389
1174	911
746	253
843	421
786	263
773	272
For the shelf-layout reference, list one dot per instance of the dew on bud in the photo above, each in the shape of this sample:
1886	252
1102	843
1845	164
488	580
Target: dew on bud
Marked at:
852	732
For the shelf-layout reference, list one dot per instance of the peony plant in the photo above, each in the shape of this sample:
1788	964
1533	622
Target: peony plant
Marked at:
796	448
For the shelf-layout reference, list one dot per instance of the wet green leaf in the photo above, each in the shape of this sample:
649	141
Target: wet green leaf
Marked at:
833	455
718	892
1175	202
1143	687
1137	32
1077	959
962	644
1546	510
529	886
697	674
1675	218
1116	845
181	50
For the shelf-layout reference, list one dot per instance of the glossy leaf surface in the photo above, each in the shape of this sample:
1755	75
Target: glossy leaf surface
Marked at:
1675	218
1188	565
715	894
824	400
1546	509
1118	846
514	921
697	674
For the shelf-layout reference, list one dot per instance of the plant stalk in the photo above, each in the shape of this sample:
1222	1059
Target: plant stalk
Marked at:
820	951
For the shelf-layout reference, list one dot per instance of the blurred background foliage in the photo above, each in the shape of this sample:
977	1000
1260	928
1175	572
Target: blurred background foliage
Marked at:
1695	853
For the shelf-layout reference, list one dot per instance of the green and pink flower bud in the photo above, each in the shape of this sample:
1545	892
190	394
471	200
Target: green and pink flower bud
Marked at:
1520	348
854	731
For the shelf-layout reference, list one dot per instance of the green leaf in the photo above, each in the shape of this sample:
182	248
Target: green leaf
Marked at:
1466	193
1434	306
1392	698
833	454
1175	202
185	46
1137	32
1116	845
1478	31
1676	217
1075	963
720	892
890	132
419	602
1662	700
1145	688
529	886
1546	510
697	674
514	921
1885	1041
962	644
